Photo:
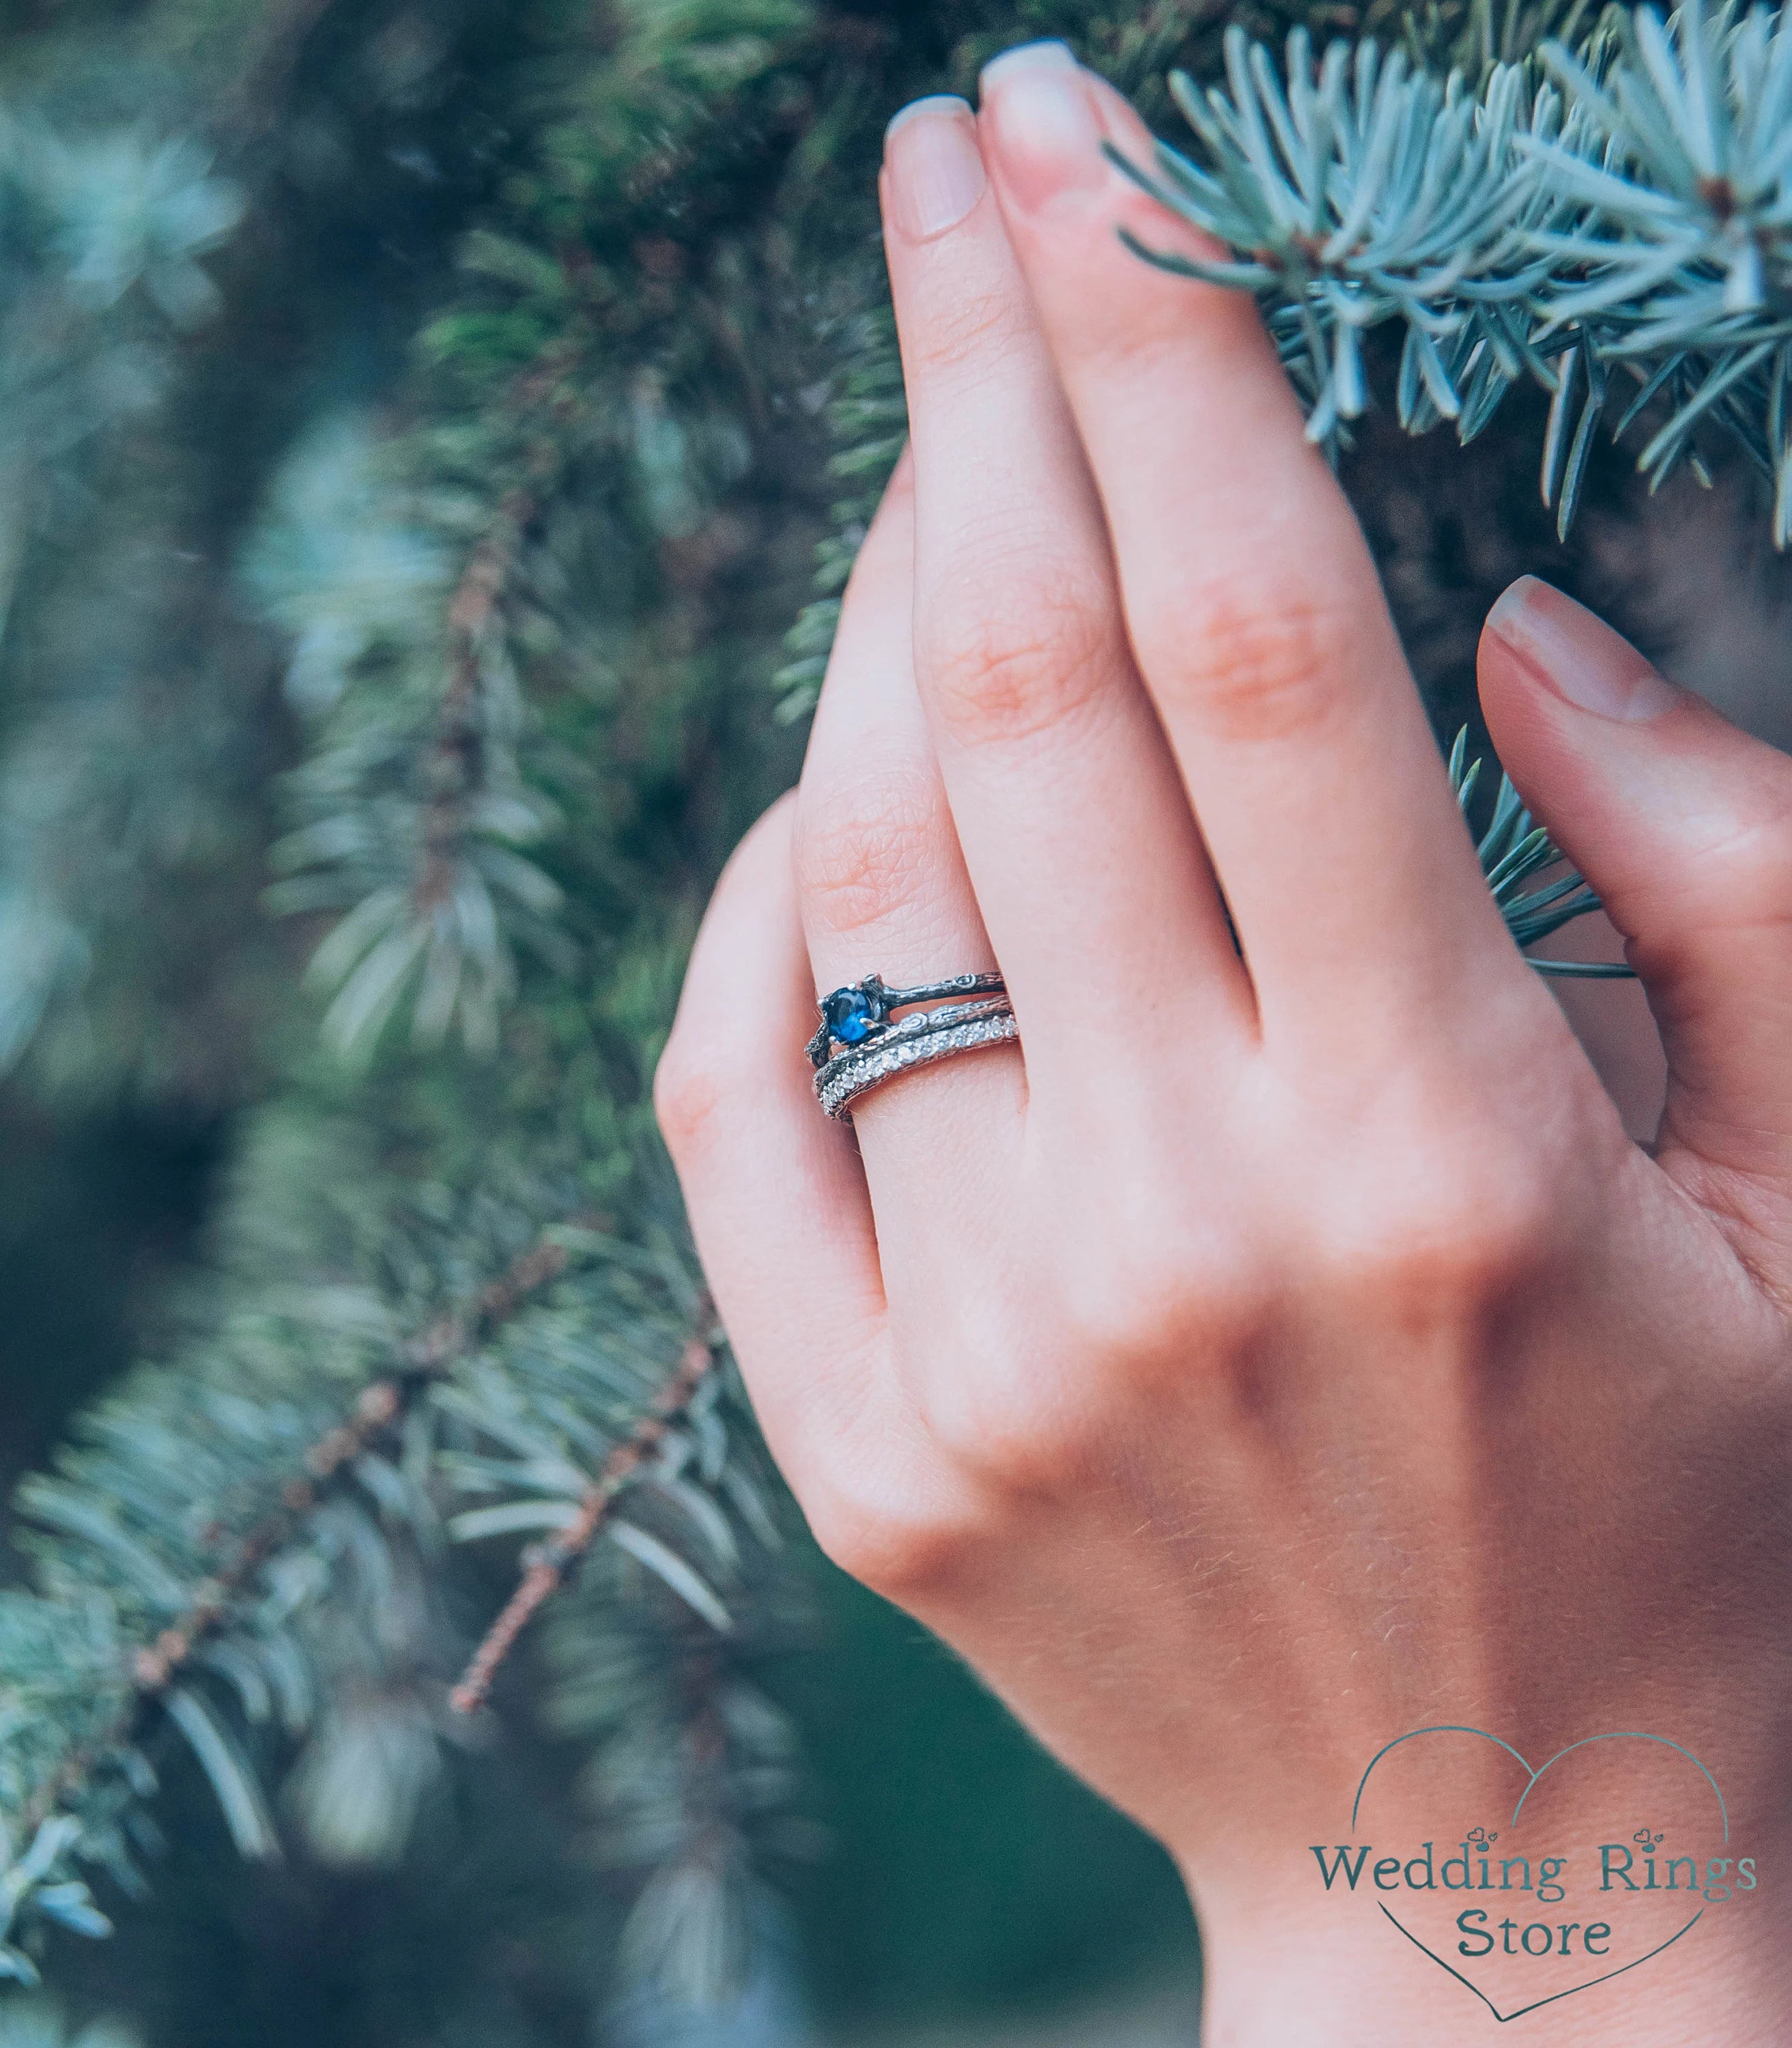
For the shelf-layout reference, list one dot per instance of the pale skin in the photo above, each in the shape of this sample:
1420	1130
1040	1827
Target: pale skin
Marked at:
1288	1348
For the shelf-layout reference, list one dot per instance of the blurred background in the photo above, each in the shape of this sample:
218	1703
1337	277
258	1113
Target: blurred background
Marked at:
431	439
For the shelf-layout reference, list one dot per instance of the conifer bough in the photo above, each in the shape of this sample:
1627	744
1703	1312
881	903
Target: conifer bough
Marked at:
1613	221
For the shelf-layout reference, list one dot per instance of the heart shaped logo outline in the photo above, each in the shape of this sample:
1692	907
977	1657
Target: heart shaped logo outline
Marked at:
1635	1963
1532	1775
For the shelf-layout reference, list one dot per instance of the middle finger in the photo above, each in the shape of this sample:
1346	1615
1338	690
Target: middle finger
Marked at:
1083	851
1252	602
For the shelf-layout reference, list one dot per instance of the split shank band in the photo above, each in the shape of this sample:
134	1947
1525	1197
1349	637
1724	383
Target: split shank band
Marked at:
872	1045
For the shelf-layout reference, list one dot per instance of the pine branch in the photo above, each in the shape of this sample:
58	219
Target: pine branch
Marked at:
418	811
428	793
548	1565
428	773
54	1823
700	1797
1627	205
1512	851
539	412
154	1666
695	1776
377	1412
867	416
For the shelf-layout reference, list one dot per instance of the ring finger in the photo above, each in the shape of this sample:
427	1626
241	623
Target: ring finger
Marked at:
884	890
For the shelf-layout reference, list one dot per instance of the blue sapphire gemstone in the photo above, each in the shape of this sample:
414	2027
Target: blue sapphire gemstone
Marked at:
851	1015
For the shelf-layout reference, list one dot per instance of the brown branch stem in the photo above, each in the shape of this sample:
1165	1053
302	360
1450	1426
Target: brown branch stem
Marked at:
549	1566
473	613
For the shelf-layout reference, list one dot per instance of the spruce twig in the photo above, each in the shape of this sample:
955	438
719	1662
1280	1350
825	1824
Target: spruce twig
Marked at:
548	1565
454	772
1625	202
1512	851
377	1411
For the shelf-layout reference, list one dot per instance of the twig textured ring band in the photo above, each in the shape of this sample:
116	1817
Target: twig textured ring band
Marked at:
873	1048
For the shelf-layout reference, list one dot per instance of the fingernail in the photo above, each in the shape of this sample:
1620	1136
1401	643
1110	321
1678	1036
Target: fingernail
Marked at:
1029	56
1037	100
935	169
1577	654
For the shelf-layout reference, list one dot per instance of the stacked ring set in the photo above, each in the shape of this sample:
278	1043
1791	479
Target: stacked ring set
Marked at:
861	1043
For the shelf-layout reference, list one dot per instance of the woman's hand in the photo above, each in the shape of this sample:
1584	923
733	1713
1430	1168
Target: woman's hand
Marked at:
1288	1350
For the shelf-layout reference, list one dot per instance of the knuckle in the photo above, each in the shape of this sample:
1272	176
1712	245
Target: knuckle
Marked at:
1252	663
1151	1306
865	850
897	1548
1449	1229
689	1090
1015	1432
1010	1410
1004	658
